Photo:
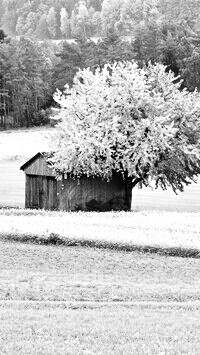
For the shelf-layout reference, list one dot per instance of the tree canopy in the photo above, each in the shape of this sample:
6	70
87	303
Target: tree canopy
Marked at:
131	120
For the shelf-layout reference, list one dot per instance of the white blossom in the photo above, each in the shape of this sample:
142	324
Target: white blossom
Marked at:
123	118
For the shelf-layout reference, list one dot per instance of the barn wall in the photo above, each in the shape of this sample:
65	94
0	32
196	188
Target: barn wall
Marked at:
71	196
80	194
39	167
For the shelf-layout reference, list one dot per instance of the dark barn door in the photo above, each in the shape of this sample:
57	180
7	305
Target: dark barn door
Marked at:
51	201
41	192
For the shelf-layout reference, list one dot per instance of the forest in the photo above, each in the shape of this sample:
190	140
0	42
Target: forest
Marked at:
49	19
33	64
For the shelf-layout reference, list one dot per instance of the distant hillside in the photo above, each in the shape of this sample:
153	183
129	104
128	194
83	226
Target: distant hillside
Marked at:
49	19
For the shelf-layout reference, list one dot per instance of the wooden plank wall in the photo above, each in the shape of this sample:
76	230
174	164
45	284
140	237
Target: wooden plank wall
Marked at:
52	197
39	167
74	194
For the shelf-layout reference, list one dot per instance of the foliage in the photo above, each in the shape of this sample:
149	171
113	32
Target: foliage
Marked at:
86	53
111	15
69	61
113	49
2	35
131	120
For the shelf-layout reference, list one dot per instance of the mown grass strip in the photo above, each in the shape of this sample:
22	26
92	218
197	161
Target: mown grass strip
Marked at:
29	304
55	239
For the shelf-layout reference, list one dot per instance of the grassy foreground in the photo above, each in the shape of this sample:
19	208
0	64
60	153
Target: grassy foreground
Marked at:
103	330
57	299
75	300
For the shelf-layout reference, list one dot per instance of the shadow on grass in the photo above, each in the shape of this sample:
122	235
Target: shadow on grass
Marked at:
55	239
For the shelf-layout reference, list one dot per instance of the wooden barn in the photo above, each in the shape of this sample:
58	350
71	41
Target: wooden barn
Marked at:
43	190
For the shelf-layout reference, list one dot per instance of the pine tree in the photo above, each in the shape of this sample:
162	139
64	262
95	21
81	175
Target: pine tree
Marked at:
64	23
96	24
111	15
31	23
113	49
51	22
42	31
82	18
70	60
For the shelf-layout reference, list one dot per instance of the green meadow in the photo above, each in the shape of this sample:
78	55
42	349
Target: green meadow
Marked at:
99	283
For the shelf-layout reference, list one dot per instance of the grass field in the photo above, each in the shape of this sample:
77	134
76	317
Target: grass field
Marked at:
99	290
75	300
23	143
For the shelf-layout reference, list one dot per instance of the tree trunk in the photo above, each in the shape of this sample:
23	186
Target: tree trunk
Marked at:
128	193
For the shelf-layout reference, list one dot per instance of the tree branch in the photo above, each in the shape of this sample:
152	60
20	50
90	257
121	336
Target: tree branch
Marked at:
135	182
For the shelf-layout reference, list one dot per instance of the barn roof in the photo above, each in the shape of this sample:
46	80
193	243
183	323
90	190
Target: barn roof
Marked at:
39	154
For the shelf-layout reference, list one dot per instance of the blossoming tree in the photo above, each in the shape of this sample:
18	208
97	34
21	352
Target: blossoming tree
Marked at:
131	121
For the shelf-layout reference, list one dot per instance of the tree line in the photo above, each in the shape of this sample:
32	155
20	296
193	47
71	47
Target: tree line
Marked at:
25	82
49	19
